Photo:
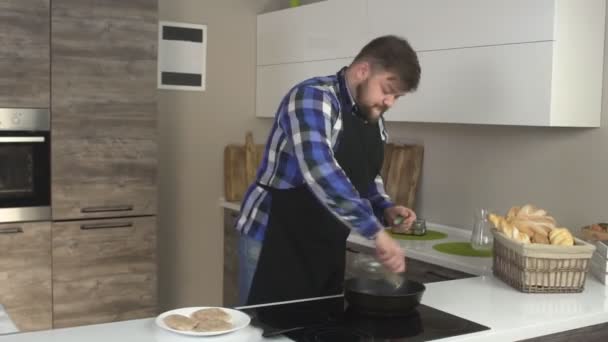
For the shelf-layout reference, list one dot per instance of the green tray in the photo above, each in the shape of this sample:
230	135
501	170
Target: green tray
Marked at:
461	248
430	235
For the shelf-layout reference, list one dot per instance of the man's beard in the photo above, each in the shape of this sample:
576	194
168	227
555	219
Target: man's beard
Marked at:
365	110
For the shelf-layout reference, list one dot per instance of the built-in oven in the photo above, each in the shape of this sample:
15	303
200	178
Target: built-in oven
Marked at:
25	165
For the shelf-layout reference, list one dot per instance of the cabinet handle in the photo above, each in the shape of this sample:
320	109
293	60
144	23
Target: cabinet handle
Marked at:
106	225
106	209
11	230
17	140
433	273
348	249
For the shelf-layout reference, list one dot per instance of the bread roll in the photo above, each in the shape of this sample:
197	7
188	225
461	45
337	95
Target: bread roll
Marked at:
561	236
542	228
540	238
519	236
495	219
529	223
539	212
501	223
512	212
507	228
513	233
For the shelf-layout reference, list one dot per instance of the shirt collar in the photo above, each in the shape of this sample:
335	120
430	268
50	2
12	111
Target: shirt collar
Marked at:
346	97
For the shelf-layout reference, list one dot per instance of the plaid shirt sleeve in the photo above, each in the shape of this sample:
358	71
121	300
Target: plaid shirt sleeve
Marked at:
378	197
307	123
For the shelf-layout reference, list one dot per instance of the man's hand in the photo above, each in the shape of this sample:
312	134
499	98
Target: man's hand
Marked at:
389	253
391	213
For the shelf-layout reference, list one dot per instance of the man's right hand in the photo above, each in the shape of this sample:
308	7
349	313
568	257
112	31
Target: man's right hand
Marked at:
389	253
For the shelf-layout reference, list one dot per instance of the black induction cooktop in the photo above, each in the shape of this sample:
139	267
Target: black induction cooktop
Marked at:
331	319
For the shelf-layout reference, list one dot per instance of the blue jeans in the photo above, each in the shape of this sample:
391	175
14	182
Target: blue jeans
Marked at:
249	252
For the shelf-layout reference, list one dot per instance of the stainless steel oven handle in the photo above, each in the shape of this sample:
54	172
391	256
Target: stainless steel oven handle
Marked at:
106	209
106	225
22	139
11	230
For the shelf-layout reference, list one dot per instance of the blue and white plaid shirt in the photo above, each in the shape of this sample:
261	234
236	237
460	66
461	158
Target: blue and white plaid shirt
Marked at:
300	150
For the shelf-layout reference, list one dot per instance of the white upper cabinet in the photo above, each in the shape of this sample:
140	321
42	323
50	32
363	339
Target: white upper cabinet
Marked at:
501	62
448	24
500	84
324	30
578	63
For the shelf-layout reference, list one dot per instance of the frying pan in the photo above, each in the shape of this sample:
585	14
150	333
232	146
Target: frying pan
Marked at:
380	298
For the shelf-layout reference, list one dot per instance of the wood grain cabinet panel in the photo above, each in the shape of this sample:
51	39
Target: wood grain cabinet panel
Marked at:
24	53
104	152
231	260
25	274
104	271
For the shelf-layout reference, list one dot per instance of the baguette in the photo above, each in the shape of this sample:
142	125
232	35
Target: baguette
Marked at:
523	226
519	236
530	224
530	210
495	219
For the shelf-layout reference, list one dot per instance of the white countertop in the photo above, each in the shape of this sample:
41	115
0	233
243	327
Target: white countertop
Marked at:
510	314
141	330
6	324
513	315
423	250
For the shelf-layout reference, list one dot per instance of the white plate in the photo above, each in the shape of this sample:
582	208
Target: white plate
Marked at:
238	319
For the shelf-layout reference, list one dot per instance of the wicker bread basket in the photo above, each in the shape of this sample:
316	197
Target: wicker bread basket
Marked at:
539	268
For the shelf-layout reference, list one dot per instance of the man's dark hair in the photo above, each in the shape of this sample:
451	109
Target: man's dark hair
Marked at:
395	55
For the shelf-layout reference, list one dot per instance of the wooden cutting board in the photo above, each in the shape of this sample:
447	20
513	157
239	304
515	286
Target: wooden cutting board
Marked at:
241	162
388	152
402	172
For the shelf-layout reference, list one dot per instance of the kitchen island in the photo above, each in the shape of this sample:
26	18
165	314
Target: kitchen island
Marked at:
511	316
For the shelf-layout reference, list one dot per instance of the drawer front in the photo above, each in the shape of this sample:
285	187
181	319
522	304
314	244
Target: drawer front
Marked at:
104	271
102	177
25	274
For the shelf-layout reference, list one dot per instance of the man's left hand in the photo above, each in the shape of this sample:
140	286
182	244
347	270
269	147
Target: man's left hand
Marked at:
391	213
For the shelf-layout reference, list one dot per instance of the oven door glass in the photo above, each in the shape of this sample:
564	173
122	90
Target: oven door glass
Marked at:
24	169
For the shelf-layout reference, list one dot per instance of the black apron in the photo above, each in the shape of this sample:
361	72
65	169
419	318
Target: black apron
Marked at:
303	253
